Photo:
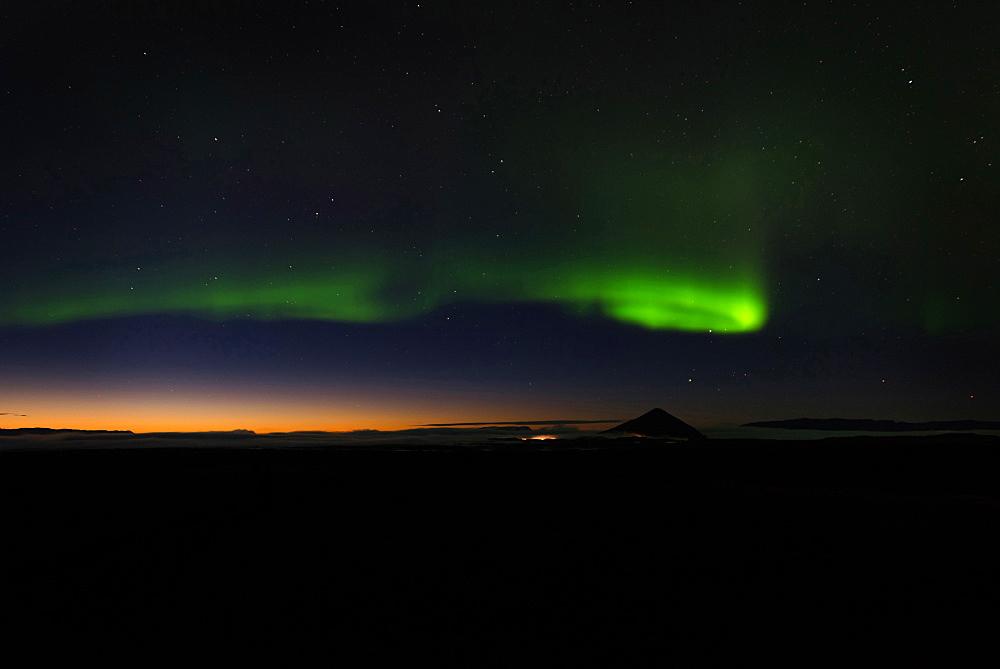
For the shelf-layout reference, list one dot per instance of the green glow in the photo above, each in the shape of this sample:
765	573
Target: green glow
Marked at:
654	298
349	295
665	248
646	297
658	303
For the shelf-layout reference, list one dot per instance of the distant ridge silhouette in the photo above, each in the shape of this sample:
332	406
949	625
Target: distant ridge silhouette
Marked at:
50	430
871	425
658	423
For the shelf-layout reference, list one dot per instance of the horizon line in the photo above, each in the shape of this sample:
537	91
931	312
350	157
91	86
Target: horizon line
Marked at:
520	422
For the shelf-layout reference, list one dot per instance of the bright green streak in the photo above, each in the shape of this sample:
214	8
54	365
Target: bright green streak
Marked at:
658	303
643	294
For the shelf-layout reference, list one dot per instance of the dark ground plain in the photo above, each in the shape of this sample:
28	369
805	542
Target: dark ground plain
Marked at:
861	551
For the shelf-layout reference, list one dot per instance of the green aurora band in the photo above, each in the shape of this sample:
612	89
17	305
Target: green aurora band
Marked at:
372	292
668	246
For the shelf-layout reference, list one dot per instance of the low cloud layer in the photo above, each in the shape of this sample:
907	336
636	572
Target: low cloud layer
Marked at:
527	422
13	439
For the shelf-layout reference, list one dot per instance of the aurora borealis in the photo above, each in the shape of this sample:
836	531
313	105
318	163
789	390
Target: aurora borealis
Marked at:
636	295
356	217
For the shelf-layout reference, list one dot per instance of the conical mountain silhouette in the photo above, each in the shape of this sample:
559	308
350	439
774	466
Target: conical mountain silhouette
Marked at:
658	423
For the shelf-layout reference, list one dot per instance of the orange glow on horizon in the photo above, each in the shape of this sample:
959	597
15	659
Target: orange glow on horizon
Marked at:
215	418
260	410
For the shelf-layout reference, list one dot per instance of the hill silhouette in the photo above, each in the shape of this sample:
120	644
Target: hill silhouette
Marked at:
658	423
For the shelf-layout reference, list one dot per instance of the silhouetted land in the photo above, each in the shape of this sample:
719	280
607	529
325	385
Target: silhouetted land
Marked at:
877	551
869	425
657	423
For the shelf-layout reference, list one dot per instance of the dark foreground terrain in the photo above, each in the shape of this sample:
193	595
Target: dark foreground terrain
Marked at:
873	552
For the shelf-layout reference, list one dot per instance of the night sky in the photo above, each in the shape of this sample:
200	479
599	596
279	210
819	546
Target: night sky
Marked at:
323	216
